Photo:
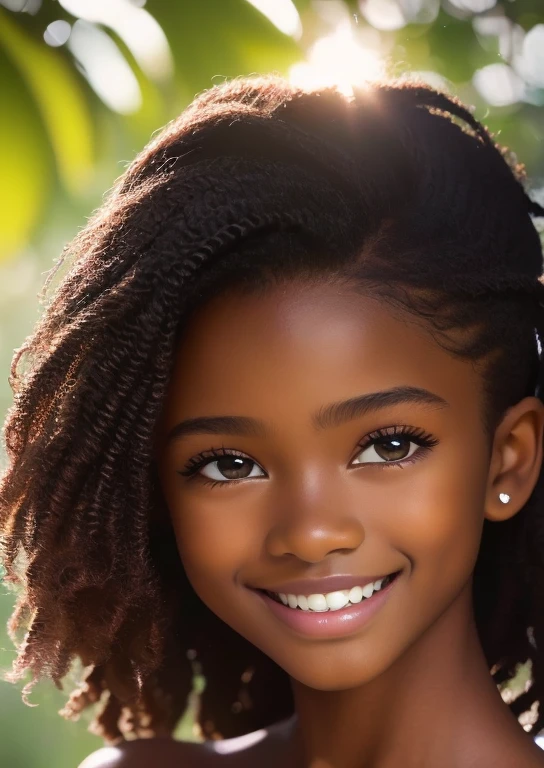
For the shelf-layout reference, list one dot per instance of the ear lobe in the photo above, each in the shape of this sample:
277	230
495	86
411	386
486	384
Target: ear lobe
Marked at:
497	511
516	459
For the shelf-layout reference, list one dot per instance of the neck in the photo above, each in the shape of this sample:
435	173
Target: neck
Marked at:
436	705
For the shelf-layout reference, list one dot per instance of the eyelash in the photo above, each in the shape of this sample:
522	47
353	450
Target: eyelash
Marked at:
415	435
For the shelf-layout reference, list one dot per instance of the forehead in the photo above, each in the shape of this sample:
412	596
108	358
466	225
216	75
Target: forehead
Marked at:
298	347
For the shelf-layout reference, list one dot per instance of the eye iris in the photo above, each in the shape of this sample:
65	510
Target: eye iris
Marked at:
235	465
393	448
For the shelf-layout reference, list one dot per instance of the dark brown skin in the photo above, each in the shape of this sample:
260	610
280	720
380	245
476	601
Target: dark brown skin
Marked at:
412	687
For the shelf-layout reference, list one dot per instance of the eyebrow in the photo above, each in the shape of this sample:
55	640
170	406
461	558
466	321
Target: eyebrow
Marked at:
327	417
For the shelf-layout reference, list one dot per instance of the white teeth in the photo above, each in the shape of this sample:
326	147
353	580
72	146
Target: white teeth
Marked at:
303	602
317	603
368	589
333	601
337	600
355	595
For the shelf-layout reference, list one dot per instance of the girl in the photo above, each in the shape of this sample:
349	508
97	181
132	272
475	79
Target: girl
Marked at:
281	422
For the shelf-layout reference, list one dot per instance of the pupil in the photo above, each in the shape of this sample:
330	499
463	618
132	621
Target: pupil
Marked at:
393	449
234	466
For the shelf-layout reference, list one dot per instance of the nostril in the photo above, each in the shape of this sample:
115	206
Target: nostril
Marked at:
311	539
341	551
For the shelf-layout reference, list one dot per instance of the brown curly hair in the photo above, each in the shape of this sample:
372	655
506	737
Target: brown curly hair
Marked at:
255	182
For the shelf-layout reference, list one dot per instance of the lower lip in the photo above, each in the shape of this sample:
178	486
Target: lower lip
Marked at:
327	624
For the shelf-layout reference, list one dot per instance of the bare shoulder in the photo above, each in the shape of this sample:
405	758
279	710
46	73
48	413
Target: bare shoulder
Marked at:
145	753
263	747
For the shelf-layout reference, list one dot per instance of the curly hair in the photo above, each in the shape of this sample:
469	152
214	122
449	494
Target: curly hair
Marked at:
399	191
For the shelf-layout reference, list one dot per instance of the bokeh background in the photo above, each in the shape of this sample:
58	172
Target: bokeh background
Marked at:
85	83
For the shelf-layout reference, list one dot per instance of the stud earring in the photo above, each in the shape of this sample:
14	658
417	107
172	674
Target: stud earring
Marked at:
504	497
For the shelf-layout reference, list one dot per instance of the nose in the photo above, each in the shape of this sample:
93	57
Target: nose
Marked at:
311	539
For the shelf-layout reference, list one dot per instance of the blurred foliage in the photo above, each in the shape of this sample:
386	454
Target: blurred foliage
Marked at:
58	137
64	139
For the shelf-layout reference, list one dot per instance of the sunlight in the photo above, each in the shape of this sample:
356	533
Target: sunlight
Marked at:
105	68
282	13
498	84
338	60
386	15
138	29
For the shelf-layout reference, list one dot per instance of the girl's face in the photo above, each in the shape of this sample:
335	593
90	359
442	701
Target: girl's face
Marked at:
348	444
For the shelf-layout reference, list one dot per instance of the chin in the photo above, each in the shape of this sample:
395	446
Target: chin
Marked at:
325	675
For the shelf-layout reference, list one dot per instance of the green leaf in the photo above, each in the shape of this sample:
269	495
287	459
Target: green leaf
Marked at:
454	49
26	162
211	41
59	98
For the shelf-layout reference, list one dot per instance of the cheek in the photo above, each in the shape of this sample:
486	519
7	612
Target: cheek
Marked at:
439	524
214	539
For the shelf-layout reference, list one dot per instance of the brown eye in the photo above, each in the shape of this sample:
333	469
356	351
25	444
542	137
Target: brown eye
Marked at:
229	468
393	449
388	449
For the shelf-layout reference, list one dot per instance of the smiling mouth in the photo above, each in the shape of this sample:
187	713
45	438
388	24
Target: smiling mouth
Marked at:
332	601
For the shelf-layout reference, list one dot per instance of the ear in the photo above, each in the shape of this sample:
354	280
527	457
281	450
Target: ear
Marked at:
516	458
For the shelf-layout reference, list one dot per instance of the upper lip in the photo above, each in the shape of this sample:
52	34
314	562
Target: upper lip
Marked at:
322	586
